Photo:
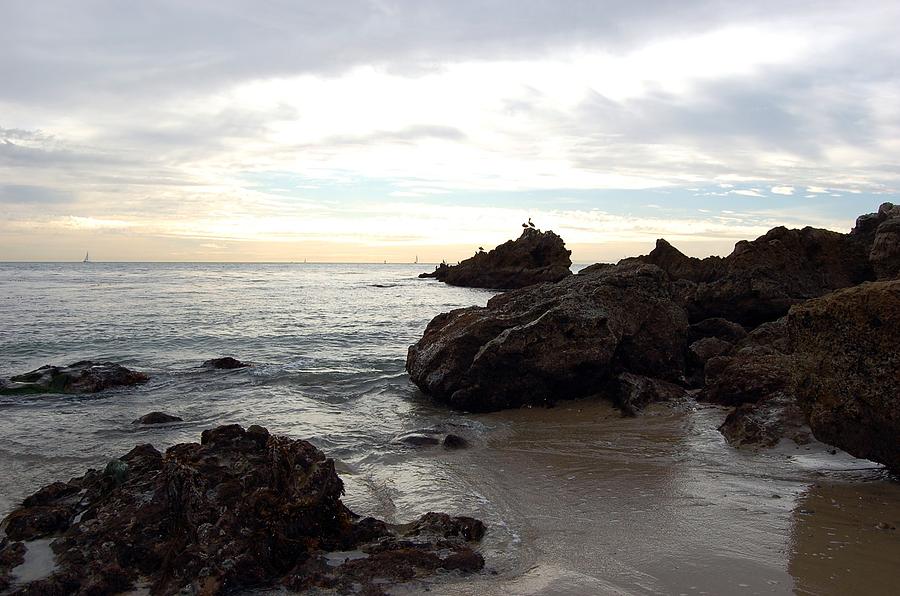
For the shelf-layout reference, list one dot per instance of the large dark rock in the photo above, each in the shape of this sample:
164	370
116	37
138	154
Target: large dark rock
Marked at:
881	232
82	377
846	349
242	509
224	363
553	341
157	418
535	257
761	279
755	377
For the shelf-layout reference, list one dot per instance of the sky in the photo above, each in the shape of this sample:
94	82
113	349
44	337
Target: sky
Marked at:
371	130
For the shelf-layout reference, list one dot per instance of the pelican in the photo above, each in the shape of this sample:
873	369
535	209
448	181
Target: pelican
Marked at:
530	225
480	249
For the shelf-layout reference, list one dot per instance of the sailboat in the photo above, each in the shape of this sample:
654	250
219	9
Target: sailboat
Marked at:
87	257
416	262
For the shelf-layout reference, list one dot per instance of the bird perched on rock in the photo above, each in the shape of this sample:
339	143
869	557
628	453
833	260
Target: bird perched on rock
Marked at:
480	249
530	225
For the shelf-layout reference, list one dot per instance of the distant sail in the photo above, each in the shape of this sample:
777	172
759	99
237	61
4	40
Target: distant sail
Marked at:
87	257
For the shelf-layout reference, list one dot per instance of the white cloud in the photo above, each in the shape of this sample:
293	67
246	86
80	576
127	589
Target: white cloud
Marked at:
783	190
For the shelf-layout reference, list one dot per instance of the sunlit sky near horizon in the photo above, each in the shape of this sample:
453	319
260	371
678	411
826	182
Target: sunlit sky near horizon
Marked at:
370	130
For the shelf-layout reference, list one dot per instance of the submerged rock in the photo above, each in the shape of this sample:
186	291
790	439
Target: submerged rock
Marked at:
242	509
453	442
846	349
553	341
535	257
81	377
225	363
157	418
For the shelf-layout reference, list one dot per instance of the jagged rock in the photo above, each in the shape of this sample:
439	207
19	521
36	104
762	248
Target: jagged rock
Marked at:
81	377
703	350
631	392
225	363
553	341
718	328
761	279
157	418
243	509
746	376
12	554
535	257
847	368
454	442
763	425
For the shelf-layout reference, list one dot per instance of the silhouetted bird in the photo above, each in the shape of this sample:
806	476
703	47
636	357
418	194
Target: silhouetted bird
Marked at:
530	225
480	249
524	225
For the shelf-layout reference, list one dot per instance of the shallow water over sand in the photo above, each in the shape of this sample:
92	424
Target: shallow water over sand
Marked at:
578	499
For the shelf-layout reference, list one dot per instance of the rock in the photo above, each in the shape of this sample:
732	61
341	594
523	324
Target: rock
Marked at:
763	425
455	442
12	554
761	279
847	368
553	341
439	273
704	349
631	392
535	257
81	377
880	231
746	376
157	418
441	524
718	328
415	440
225	363
242	510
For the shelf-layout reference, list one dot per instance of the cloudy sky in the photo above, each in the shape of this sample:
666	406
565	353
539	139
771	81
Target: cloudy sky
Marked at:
363	130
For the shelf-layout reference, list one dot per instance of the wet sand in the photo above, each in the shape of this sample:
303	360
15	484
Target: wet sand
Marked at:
583	501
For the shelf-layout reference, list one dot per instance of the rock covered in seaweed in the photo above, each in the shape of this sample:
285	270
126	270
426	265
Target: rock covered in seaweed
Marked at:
81	377
554	341
535	257
239	510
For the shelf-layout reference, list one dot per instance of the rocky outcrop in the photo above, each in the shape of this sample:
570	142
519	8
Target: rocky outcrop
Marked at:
881	232
157	418
242	509
535	257
846	349
82	377
554	341
761	279
225	363
755	377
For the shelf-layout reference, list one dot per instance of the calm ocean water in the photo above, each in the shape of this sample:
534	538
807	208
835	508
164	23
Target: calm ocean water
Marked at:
577	498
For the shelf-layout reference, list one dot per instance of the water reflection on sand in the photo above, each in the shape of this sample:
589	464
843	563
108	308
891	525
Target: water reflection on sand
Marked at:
589	502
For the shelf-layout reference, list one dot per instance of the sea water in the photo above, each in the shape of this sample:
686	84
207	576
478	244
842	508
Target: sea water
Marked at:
577	498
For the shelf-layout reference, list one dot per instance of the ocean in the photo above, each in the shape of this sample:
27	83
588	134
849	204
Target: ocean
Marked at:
578	499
